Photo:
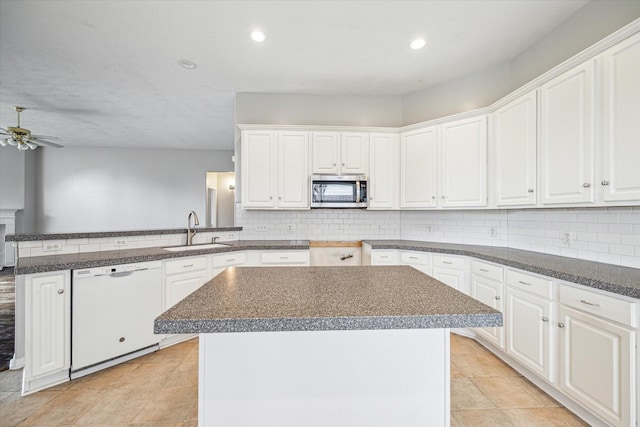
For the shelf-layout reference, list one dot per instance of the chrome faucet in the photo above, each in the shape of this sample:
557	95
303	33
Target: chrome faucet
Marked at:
190	232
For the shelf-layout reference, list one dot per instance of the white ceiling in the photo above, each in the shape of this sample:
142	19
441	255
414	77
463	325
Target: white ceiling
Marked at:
105	73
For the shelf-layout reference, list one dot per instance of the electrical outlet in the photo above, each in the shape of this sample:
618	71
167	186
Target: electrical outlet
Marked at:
429	229
261	228
493	232
380	227
120	243
568	237
51	247
290	228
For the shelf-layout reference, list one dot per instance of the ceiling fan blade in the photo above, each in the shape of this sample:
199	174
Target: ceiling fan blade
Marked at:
55	138
43	142
3	131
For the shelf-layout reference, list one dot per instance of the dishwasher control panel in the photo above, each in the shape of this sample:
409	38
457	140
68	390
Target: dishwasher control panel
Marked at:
115	269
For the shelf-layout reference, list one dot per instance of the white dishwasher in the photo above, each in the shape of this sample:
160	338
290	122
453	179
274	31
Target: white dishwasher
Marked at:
113	309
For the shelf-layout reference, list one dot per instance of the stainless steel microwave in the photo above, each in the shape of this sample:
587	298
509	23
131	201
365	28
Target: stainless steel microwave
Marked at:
339	191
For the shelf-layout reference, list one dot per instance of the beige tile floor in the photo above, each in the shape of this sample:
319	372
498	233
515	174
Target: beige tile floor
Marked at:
160	389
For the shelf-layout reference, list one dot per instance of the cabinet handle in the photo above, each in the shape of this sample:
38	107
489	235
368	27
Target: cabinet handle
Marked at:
187	265
447	262
61	291
413	257
560	325
484	269
586	185
524	283
530	190
545	319
284	257
497	298
605	183
231	260
589	303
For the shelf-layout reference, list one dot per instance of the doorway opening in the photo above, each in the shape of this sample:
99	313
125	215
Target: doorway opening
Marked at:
220	199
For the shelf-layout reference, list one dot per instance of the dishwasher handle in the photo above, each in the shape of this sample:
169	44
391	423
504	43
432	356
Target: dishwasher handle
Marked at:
122	274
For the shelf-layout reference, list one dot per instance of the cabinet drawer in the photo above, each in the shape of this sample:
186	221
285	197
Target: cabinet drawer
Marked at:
449	262
610	308
384	257
292	257
489	271
185	264
532	284
228	259
421	258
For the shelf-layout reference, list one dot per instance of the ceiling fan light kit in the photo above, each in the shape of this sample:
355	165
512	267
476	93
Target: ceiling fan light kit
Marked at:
22	138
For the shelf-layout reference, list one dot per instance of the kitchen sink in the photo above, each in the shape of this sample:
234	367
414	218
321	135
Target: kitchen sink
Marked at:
195	247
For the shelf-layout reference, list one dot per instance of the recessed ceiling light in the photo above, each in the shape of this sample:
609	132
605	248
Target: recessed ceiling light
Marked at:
257	36
418	44
189	65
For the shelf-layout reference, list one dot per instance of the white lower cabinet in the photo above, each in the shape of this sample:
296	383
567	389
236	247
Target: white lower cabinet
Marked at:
488	288
418	260
285	258
452	271
182	277
597	354
48	330
221	262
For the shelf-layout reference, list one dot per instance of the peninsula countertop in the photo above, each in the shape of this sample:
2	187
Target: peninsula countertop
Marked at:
126	256
259	299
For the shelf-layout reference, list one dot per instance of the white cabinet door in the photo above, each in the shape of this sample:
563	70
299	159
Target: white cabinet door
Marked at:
528	320
326	152
595	365
454	278
490	293
354	153
566	137
258	169
48	325
384	171
418	168
514	144
178	286
621	143
293	170
463	166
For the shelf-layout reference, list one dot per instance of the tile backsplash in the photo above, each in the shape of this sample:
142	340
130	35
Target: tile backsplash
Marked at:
609	235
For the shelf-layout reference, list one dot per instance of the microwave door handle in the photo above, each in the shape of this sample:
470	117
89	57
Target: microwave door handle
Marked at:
357	191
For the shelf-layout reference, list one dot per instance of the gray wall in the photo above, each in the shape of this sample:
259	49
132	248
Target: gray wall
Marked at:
108	189
271	108
12	177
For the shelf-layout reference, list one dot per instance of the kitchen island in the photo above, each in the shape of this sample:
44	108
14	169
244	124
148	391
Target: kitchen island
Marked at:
320	346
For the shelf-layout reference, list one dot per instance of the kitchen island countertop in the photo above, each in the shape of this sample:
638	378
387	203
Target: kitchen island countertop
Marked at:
258	299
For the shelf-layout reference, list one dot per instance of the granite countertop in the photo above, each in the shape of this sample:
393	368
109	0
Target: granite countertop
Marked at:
607	277
126	256
258	299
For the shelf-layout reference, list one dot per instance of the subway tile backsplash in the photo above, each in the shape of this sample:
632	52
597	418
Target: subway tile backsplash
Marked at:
609	235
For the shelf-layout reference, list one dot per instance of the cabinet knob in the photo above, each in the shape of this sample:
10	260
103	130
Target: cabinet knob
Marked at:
334	164
61	291
530	190
560	325
605	183
443	197
343	164
279	197
586	185
497	298
433	197
270	197
545	319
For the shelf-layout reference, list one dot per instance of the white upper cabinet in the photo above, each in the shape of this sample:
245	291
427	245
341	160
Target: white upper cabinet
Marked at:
418	168
258	169
566	137
275	170
514	152
463	167
345	153
384	164
621	121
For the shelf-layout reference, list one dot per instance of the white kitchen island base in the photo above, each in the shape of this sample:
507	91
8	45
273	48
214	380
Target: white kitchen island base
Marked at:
368	378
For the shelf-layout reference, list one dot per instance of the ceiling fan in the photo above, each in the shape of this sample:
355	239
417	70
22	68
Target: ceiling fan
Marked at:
22	138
